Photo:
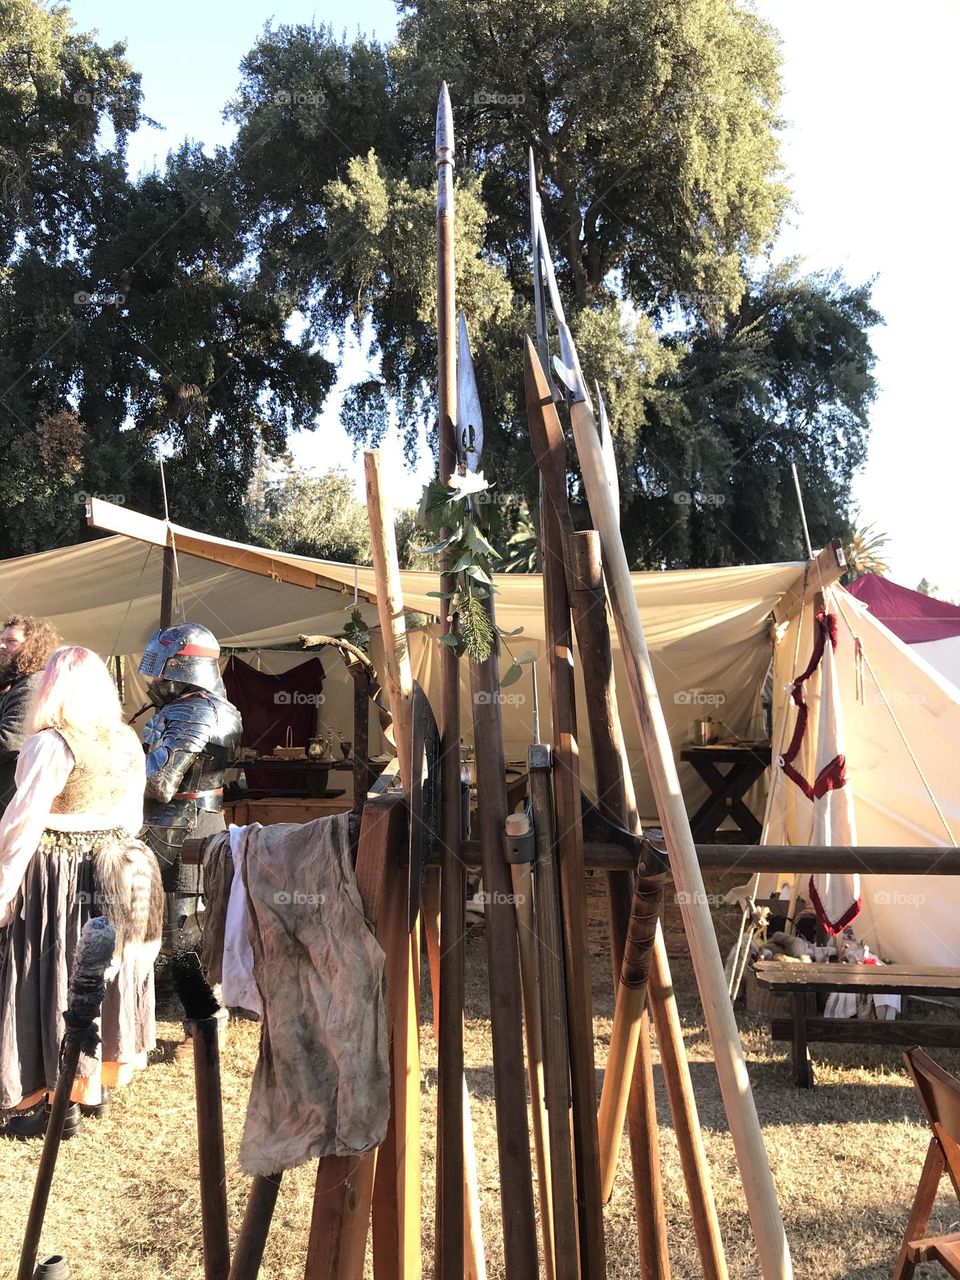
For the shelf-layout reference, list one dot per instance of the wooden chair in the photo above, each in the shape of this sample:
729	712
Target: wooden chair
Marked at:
939	1093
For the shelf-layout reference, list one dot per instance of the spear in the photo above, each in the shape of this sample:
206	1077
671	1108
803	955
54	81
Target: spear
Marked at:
450	1202
755	1174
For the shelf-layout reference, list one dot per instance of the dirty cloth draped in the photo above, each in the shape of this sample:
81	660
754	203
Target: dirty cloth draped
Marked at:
321	1083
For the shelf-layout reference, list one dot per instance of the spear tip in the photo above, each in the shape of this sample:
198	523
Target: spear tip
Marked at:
444	135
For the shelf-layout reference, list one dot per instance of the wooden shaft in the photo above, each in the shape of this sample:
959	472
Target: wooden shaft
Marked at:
252	1240
398	680
48	1160
212	1164
757	1179
520	875
168	582
474	1263
451	1212
686	1121
628	1078
556	1055
570	859
361	735
516	1188
875	860
341	1217
625	1035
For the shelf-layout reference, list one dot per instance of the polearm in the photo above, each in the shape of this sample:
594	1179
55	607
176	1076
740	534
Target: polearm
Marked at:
450	1203
755	1173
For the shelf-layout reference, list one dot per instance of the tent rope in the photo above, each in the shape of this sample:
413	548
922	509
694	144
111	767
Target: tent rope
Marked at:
896	723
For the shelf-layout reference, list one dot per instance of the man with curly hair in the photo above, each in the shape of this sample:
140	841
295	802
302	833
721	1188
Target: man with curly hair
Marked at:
25	645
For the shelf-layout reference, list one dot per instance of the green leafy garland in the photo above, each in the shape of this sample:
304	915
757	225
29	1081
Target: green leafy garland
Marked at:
465	509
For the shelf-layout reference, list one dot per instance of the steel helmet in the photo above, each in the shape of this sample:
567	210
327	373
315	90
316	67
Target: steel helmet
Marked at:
184	654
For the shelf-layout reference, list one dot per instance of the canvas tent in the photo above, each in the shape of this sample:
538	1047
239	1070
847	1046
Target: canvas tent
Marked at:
709	631
931	627
901	727
711	635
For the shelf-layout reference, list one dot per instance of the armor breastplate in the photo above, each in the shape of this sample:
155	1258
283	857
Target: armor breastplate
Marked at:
188	745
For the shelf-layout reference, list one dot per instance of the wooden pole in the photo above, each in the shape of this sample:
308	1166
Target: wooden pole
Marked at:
553	997
757	1179
212	1164
168	582
500	930
570	859
522	880
252	1240
617	799
450	1131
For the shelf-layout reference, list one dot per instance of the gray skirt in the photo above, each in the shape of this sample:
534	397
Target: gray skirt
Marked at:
58	895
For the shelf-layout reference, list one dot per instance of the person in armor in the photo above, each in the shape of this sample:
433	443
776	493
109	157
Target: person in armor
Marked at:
188	743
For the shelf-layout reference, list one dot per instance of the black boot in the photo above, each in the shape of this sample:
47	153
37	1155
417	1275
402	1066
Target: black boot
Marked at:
97	1110
33	1124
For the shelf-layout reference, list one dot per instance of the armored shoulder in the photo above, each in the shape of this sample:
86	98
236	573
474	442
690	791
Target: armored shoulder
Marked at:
189	724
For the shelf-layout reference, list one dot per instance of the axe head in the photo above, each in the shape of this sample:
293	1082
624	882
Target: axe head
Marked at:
425	800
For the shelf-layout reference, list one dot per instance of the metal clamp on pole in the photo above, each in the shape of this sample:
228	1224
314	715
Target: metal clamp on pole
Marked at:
519	841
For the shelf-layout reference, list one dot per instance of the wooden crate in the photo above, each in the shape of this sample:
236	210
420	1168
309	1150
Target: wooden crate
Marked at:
283	809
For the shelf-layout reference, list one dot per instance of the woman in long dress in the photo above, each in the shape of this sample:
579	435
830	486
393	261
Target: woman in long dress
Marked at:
68	852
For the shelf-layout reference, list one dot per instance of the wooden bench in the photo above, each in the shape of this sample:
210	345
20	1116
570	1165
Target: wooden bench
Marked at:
797	980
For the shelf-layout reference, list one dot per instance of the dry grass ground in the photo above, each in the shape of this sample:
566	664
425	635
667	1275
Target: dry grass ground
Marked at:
846	1158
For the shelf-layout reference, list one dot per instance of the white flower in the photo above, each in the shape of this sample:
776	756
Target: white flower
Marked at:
472	482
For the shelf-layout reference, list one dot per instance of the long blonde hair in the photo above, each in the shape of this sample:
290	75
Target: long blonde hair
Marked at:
76	691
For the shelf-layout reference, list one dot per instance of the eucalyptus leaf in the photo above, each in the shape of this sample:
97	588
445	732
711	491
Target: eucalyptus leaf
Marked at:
511	675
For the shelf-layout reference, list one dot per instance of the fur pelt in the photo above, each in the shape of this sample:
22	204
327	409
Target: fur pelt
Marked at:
130	894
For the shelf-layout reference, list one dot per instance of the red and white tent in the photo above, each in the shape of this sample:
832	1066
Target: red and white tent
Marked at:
931	627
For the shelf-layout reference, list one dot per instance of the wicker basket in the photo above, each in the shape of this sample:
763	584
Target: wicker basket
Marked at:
759	1000
289	752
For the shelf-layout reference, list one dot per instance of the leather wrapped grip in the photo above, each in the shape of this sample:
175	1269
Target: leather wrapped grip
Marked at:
641	930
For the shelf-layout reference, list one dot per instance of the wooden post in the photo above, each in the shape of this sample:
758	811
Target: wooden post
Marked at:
570	859
252	1240
617	799
757	1179
361	734
168	582
500	930
450	1139
556	1054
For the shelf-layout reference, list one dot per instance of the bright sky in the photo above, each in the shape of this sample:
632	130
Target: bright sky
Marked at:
871	109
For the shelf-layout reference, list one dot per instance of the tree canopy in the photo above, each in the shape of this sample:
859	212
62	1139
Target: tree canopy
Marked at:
655	133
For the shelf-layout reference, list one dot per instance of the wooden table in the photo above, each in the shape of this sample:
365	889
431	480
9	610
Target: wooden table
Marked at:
317	771
746	763
796	980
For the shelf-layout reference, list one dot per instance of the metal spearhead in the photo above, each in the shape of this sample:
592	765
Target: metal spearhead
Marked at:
469	416
444	149
567	364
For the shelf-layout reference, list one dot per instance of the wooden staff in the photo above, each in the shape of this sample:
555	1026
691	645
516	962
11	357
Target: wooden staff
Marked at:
585	584
252	1240
617	799
450	1139
516	1188
200	1008
757	1179
556	1055
521	842
570	859
399	687
93	954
